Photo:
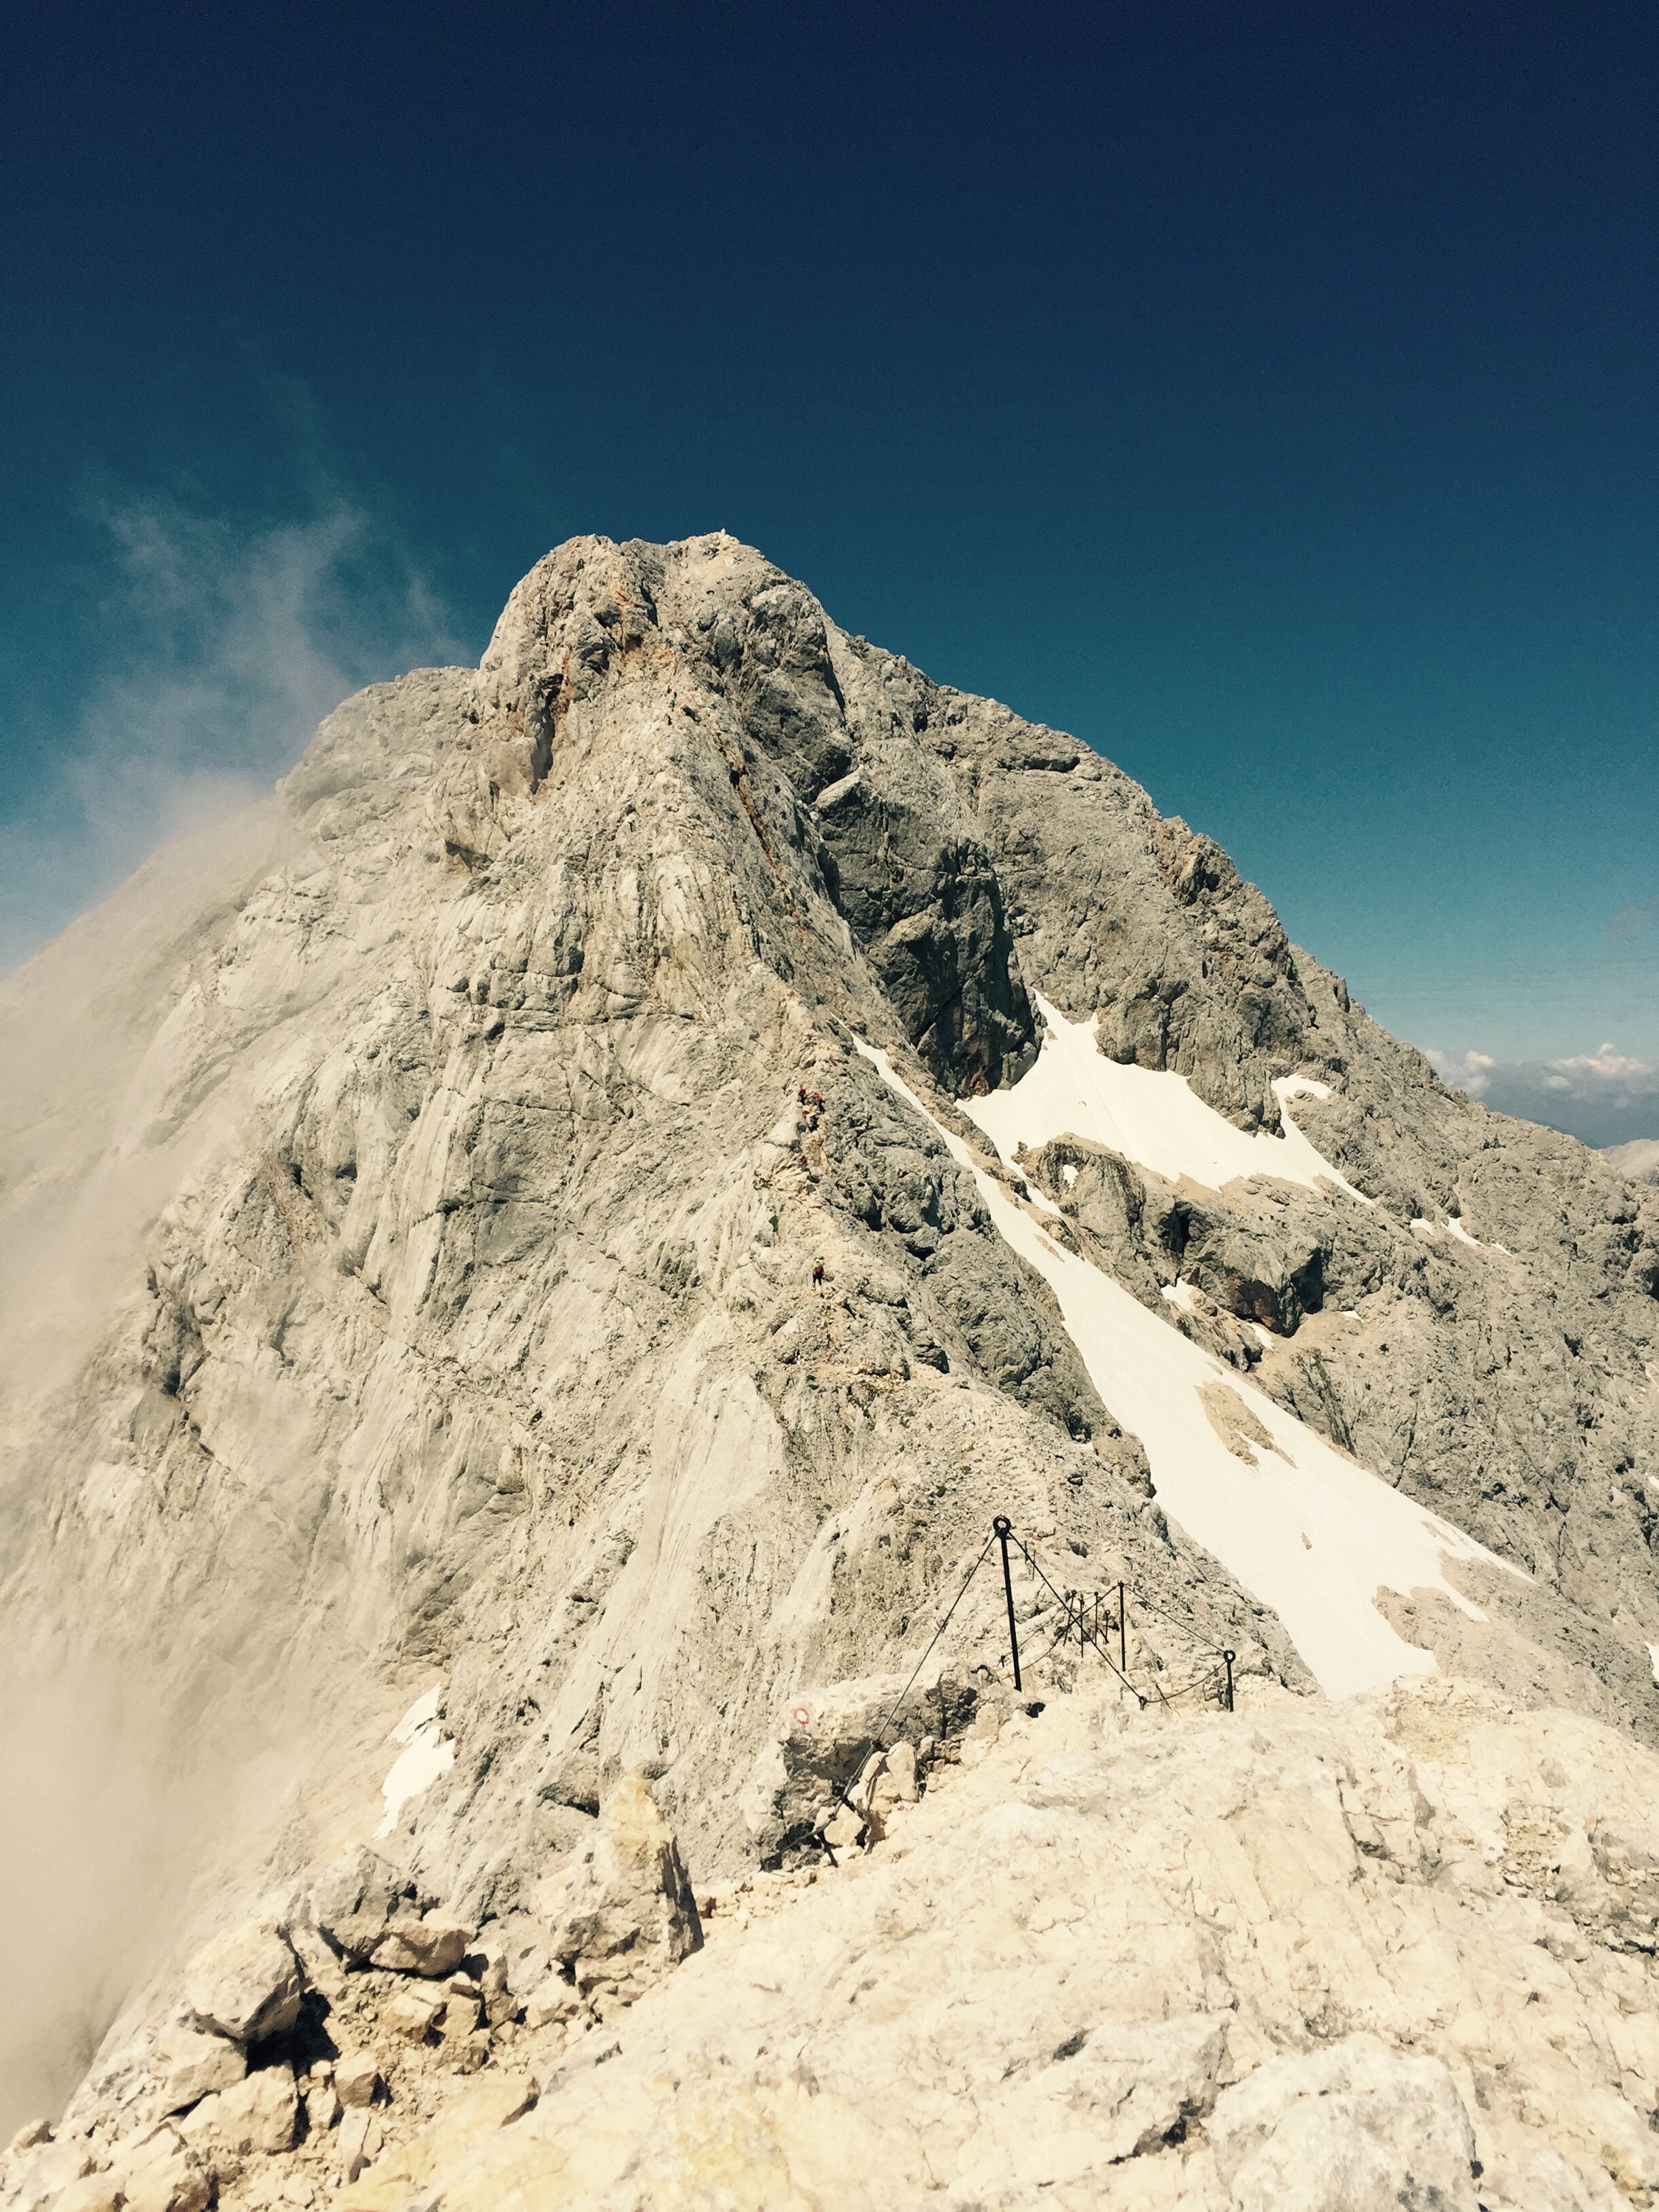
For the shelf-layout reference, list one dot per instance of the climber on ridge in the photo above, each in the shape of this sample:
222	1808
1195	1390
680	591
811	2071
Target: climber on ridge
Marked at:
817	1274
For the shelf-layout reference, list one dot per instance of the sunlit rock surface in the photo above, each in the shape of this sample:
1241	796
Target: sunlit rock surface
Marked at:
419	1414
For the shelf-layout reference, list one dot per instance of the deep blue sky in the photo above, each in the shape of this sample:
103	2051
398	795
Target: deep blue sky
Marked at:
1265	393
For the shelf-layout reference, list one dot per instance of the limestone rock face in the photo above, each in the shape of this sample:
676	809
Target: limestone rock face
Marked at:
259	2114
356	2078
191	2066
924	902
1351	2129
161	2172
96	2193
418	1411
822	1743
245	1984
624	1913
351	1901
1296	1955
432	1945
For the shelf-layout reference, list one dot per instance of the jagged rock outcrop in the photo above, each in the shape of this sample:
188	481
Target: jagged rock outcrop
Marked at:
1293	1959
246	1985
411	1196
293	2048
622	1912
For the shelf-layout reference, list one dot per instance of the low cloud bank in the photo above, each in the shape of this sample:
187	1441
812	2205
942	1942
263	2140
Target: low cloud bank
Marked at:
1605	1097
136	1802
92	1863
225	644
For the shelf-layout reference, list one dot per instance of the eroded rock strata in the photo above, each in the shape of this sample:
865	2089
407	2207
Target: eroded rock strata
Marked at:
412	1196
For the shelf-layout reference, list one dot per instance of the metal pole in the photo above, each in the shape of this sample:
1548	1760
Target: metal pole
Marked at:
1229	1656
1122	1636
1004	1528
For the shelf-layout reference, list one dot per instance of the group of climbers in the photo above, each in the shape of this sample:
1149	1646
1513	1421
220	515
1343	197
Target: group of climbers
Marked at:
812	1104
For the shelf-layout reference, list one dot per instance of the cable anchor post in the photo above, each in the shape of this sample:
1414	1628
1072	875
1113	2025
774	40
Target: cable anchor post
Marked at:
1229	1657
1002	1526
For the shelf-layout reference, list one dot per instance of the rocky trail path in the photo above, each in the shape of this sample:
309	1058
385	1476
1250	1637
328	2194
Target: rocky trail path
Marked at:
1395	1952
411	1201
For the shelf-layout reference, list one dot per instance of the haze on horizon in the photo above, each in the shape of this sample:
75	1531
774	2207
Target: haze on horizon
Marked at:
1265	397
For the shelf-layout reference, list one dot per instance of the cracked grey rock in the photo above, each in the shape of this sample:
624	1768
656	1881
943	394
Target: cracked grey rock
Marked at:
410	1216
245	1984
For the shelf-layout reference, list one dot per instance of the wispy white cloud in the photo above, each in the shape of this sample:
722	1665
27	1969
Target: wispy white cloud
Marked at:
1472	1074
224	644
1605	1097
1639	1159
1608	1066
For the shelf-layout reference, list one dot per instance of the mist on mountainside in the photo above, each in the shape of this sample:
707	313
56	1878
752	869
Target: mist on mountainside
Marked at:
103	1832
584	1205
215	647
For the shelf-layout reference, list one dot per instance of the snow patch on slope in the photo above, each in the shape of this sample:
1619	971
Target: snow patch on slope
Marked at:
1453	1226
1308	1531
1149	1115
427	1753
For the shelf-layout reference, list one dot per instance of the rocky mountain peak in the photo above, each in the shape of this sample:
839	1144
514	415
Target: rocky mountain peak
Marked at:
536	1256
